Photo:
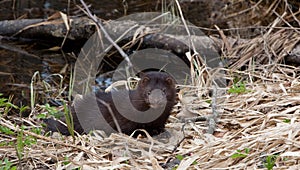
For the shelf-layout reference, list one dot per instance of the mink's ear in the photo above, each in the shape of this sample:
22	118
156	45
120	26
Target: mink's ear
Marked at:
141	74
170	81
144	80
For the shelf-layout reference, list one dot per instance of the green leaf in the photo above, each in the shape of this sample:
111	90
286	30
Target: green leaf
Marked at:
41	116
238	88
7	165
238	155
247	150
36	130
29	140
20	145
23	109
270	161
6	130
180	157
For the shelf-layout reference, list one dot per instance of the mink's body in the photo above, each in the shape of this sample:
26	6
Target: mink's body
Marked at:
154	96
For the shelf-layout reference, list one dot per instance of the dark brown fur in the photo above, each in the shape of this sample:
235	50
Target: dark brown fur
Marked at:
143	98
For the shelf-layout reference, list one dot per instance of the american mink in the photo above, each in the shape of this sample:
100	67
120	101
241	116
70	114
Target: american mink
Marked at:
152	103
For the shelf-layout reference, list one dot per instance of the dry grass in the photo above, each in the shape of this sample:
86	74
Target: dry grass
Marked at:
264	120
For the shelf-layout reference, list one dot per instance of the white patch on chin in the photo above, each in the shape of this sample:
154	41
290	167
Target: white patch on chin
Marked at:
155	106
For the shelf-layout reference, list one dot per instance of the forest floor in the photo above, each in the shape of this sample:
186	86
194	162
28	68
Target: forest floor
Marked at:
258	125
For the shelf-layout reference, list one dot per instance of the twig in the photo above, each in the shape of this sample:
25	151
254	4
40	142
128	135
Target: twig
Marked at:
281	17
224	38
111	113
244	11
100	26
185	25
195	119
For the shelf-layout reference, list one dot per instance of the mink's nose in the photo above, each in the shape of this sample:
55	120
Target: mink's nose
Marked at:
157	99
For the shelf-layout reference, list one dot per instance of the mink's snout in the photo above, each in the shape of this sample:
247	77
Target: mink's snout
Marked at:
157	99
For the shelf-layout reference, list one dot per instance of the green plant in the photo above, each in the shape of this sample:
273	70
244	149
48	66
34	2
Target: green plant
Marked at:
7	165
29	140
20	144
6	130
240	154
36	130
22	109
53	111
287	120
69	120
180	158
10	143
41	116
208	101
35	78
23	141
71	84
66	161
6	104
270	161
238	88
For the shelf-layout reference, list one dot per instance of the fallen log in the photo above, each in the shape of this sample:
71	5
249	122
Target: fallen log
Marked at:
55	30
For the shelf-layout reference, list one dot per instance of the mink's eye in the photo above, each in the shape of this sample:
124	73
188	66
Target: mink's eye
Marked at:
164	90
148	93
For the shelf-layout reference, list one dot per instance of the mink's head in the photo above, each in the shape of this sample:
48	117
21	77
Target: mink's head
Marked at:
157	88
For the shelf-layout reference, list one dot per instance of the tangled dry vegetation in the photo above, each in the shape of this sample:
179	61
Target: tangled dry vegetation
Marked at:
258	127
